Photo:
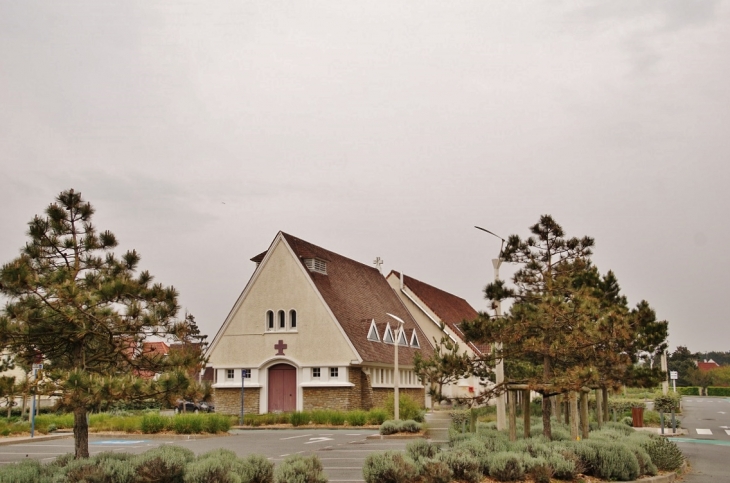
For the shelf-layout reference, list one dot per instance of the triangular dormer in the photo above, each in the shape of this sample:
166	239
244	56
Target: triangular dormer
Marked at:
388	335
414	340
402	338
373	332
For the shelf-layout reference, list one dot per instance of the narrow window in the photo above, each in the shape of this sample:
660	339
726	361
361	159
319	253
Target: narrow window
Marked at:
334	371
293	319
230	374
388	336
316	372
282	319
247	373
269	320
402	338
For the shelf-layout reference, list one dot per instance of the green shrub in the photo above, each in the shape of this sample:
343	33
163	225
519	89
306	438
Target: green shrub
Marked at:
462	464
117	471
83	471
389	427
298	418
626	430
216	423
667	403
625	404
300	469
210	470
718	391
320	416
476	448
665	454
506	466
377	416
539	468
336	418
188	423
688	391
434	471
27	471
166	463
153	423
256	469
420	448
614	461
388	467
408	407
357	418
646	466
566	465
409	426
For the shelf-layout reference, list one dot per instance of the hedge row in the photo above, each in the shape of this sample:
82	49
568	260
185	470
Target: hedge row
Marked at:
718	391
615	452
329	417
166	464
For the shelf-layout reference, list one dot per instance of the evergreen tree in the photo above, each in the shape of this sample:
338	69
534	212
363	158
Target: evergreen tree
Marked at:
86	313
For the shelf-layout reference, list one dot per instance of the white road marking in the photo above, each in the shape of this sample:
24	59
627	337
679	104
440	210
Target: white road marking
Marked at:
728	432
721	412
318	440
295	437
704	431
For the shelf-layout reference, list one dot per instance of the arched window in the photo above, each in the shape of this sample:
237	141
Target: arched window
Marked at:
269	320
282	319
293	319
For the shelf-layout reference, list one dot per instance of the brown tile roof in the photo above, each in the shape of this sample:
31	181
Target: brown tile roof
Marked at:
450	309
356	294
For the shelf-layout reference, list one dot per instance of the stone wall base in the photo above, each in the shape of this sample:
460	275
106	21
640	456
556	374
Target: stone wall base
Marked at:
228	401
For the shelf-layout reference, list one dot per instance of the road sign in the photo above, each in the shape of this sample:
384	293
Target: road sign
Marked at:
674	375
37	366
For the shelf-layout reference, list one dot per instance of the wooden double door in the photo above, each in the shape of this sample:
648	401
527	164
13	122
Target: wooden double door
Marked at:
282	388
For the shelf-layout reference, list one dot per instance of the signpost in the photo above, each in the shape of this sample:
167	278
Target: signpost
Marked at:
674	375
36	368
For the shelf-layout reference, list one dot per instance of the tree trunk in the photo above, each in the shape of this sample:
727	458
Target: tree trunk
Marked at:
512	399
585	428
573	411
605	404
599	408
546	413
81	433
23	408
526	411
566	404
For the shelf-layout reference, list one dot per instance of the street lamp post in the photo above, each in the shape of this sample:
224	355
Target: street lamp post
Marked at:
499	369
396	370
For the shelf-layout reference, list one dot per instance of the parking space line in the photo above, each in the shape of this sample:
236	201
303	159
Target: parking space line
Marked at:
704	431
295	437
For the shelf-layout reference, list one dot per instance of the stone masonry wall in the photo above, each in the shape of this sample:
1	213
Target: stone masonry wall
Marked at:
228	401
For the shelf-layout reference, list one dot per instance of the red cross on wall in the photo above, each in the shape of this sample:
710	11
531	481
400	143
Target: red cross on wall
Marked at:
280	348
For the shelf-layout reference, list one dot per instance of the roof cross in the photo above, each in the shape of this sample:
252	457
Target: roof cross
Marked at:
378	264
280	348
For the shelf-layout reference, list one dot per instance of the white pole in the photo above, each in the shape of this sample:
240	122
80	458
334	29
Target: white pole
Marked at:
396	396
499	369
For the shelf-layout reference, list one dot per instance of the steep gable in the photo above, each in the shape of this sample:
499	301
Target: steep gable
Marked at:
448	308
357	294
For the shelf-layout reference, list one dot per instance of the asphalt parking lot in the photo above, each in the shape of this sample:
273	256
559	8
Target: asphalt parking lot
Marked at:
342	451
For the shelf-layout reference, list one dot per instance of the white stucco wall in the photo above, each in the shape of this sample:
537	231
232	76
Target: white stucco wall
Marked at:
281	284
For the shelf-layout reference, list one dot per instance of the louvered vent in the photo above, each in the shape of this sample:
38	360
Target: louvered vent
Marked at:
316	265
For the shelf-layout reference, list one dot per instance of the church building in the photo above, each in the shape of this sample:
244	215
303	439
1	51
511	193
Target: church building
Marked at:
314	330
440	313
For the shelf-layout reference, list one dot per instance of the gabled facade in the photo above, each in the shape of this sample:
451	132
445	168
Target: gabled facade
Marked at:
309	331
433	308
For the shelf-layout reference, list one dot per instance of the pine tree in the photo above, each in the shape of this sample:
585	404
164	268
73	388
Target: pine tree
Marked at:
86	314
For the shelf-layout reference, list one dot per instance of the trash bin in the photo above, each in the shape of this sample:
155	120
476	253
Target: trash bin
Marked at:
637	416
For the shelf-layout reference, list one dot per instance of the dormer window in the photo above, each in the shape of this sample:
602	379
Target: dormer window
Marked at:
414	340
373	332
402	338
388	336
316	265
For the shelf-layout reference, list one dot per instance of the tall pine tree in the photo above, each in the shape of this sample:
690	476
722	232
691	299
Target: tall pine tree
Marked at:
86	314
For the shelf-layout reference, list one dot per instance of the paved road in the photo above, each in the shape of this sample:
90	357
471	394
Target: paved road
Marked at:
707	447
342	452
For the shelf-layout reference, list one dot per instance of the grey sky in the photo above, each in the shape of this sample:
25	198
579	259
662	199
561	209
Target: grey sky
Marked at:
199	129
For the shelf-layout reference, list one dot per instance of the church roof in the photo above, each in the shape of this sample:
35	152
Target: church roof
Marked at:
449	308
357	294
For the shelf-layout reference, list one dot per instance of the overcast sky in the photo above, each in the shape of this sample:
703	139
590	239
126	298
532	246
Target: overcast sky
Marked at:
199	129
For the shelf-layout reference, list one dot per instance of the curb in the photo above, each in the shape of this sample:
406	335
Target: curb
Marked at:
28	439
306	428
397	436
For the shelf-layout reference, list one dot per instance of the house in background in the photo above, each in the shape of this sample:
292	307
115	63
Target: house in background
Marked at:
438	312
311	330
707	365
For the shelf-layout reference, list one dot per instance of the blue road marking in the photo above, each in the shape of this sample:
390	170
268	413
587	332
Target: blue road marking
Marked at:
701	441
120	441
